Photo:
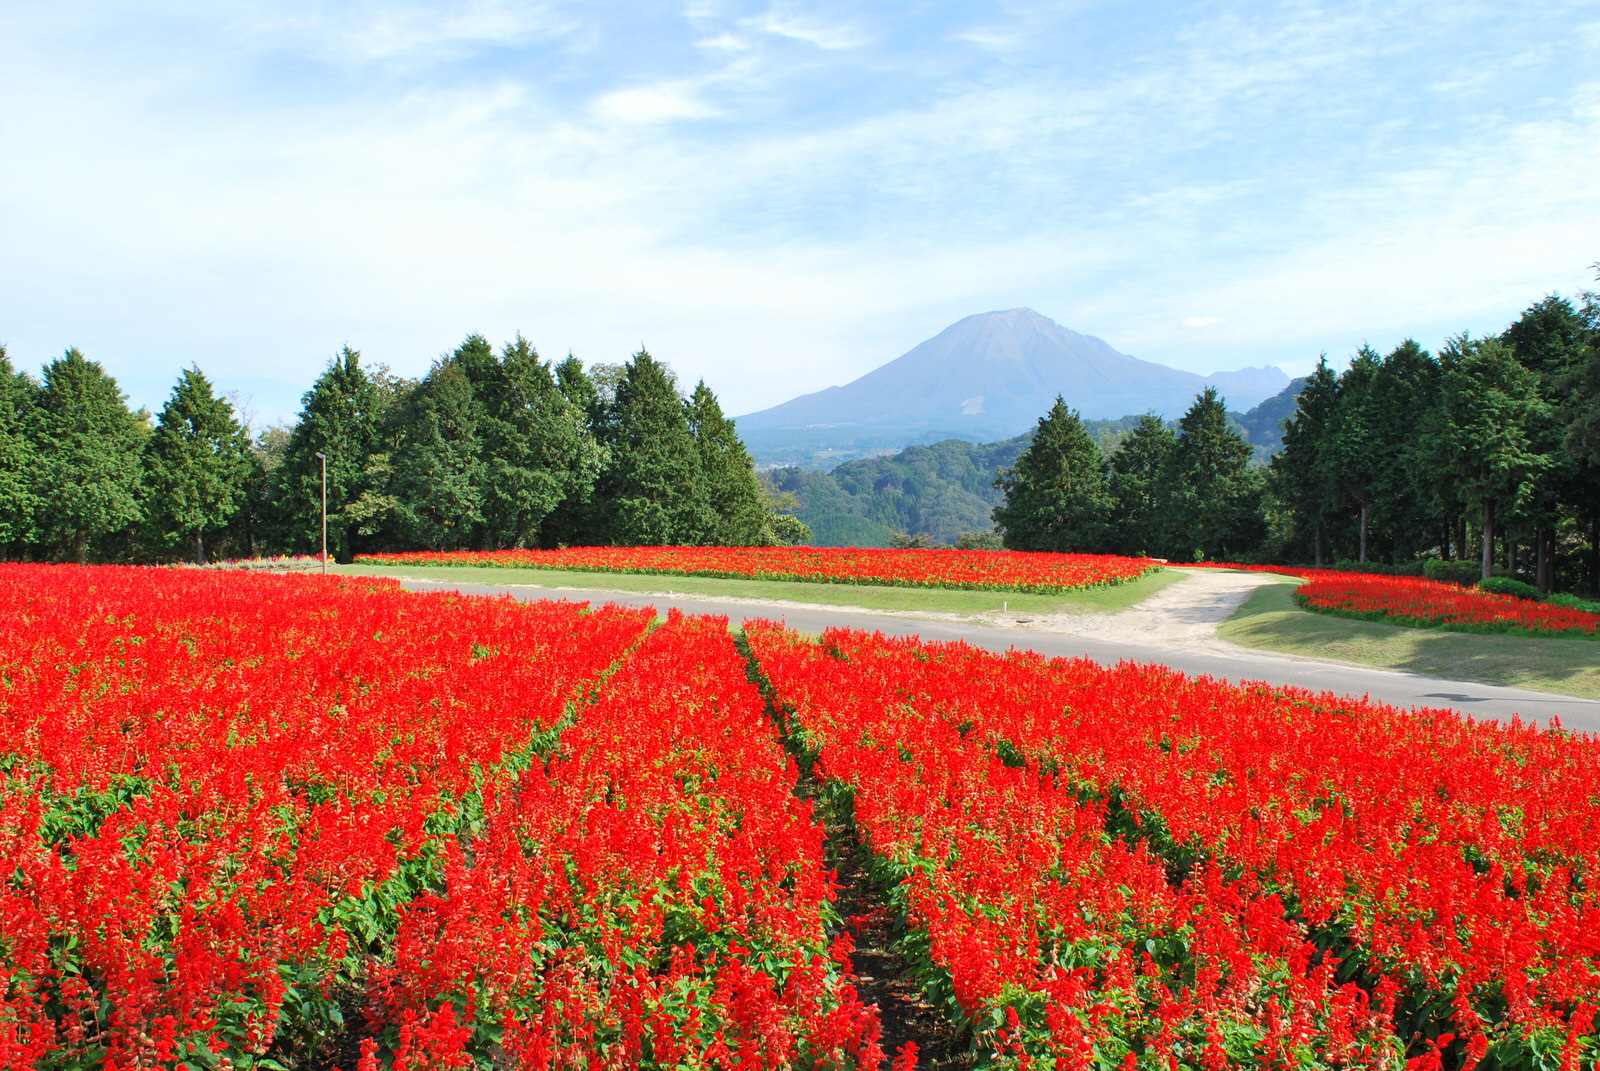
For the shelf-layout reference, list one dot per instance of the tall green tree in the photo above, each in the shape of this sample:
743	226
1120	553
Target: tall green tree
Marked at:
1491	411
654	486
341	417
1405	390
437	479
1358	449
579	518
1301	476
741	516
19	458
1579	413
537	450
197	465
1217	502
1058	496
91	445
1141	489
1551	339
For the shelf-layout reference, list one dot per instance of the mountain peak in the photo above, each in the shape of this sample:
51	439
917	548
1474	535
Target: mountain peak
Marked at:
990	376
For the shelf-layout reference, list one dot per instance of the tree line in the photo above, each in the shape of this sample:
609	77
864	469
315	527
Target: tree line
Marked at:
1184	494
489	450
1487	452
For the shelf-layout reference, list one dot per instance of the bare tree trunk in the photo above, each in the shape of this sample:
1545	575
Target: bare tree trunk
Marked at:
1487	559
200	546
1461	536
80	547
1362	556
1511	555
1594	554
1546	569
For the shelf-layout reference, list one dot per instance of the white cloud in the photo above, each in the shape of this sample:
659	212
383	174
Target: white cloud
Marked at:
652	104
396	30
726	42
781	21
1261	172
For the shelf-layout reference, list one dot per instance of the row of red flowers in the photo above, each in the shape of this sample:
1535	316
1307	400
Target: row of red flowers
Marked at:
967	569
1055	939
1404	600
1420	603
1446	869
248	821
261	821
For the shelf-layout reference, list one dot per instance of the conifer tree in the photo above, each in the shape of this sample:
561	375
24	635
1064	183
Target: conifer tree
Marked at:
437	481
90	455
1551	339
579	519
1491	410
19	458
537	452
1301	476
1405	390
1580	417
1057	496
741	515
197	465
1141	489
341	417
1217	499
654	487
1357	452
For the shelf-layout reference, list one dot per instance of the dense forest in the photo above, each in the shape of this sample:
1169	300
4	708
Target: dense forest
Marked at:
1487	452
945	493
486	451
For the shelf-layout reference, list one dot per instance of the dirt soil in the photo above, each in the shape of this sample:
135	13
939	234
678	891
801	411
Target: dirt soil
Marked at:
1185	614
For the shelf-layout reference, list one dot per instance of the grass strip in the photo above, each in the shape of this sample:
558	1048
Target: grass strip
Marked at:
1096	600
1270	620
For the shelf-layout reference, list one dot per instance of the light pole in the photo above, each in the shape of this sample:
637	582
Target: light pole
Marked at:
324	459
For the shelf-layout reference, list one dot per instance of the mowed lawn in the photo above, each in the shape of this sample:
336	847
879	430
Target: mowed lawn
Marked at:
1270	620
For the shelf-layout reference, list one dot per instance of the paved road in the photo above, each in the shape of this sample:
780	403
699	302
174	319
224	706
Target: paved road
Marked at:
1487	702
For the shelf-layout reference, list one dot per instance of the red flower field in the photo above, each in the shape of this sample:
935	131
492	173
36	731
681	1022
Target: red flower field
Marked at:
1401	600
293	821
973	569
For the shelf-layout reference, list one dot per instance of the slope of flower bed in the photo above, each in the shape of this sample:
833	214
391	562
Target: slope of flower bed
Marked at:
1423	603
1450	867
965	569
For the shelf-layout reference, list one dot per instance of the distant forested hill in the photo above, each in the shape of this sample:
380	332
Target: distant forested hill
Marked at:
946	489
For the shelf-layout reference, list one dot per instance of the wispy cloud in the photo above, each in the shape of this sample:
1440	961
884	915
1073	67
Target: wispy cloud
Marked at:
778	197
825	33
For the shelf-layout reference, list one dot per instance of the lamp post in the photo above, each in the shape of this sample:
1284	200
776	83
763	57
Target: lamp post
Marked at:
324	459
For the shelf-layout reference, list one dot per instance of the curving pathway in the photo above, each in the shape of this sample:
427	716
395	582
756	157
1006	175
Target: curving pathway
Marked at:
1176	626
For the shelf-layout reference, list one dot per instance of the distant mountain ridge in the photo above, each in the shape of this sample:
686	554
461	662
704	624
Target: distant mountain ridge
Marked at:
987	377
942	490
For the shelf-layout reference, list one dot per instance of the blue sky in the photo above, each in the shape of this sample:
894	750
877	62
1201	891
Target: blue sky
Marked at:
779	196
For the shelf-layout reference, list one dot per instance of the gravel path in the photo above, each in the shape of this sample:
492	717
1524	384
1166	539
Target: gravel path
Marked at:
1183	614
